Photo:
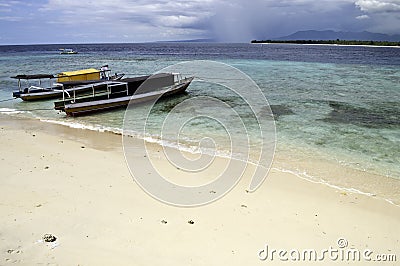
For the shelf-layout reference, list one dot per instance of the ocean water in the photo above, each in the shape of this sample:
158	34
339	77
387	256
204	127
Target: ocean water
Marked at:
338	103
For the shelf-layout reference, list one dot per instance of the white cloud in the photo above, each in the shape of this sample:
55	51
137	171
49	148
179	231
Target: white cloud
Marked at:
378	6
383	14
11	18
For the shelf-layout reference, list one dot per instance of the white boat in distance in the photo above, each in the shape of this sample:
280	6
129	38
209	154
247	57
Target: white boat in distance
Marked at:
67	51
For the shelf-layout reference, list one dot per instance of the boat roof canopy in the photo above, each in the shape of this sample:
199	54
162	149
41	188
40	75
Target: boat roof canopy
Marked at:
78	72
35	76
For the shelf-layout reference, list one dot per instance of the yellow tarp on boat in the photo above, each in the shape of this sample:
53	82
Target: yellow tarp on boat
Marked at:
84	74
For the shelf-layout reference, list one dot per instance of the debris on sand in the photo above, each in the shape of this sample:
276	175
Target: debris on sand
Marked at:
49	238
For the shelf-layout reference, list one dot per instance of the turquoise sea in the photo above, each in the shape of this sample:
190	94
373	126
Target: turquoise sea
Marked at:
335	103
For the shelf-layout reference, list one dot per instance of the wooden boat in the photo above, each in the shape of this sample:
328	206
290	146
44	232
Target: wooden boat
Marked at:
66	81
67	51
119	94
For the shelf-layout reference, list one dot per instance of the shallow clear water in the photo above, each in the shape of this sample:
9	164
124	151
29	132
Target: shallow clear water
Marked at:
340	102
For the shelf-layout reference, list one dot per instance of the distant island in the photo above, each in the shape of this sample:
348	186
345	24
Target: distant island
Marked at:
332	42
336	37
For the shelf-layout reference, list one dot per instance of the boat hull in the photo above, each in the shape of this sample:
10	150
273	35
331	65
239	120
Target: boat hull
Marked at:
83	108
44	95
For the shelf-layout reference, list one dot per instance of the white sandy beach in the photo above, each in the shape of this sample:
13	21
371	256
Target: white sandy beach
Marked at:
327	44
75	185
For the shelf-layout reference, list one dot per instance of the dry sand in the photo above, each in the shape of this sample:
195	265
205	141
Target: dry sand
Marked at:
75	185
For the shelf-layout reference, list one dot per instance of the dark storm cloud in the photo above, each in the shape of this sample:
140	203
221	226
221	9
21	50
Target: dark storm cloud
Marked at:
266	19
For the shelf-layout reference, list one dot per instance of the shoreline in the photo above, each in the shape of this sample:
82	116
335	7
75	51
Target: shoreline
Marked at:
319	171
74	184
327	44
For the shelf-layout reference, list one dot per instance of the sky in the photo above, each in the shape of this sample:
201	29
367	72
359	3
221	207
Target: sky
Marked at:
128	21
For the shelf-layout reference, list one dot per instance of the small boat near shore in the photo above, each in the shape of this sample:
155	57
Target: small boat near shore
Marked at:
67	51
118	94
65	81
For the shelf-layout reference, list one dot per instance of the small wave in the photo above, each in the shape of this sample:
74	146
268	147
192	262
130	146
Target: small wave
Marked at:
194	149
192	146
186	147
11	111
77	125
317	180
